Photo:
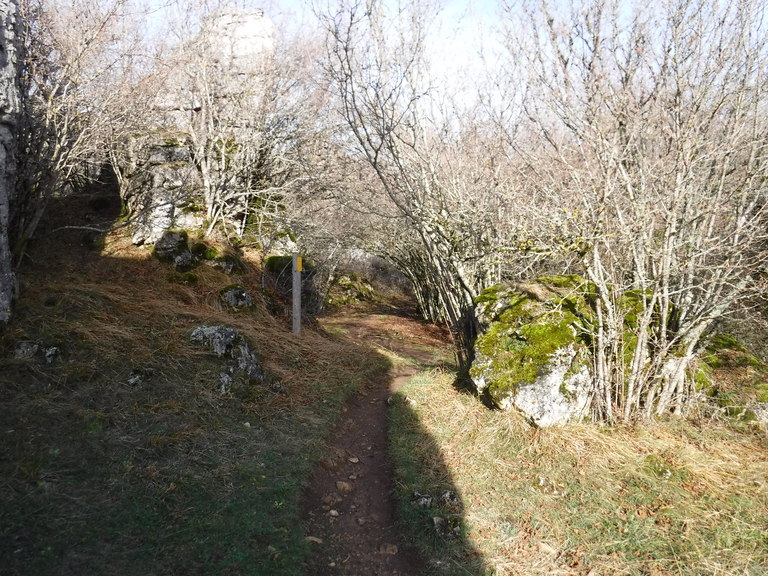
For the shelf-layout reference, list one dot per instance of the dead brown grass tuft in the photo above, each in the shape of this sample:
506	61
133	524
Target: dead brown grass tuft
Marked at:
667	499
108	474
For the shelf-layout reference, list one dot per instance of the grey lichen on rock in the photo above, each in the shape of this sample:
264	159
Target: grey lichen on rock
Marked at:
236	296
246	368
532	354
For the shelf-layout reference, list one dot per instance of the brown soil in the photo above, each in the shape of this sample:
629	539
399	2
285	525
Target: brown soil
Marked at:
349	509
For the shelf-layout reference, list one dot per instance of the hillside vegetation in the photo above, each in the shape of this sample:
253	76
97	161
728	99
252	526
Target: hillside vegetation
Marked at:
121	456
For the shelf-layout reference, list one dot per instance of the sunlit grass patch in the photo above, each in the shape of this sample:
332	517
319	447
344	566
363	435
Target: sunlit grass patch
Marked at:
668	499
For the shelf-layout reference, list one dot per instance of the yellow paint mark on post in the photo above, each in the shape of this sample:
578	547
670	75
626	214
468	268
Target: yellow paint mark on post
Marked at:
298	264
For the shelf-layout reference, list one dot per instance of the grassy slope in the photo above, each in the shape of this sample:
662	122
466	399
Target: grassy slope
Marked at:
101	476
677	499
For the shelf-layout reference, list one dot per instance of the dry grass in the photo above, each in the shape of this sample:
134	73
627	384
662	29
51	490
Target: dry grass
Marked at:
167	476
668	499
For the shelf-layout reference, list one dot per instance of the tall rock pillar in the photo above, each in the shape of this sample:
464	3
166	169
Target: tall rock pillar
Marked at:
9	109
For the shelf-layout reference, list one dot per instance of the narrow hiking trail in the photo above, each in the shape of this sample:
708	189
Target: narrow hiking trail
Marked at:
349	508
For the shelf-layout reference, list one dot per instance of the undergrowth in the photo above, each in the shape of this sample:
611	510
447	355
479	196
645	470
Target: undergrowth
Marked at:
676	498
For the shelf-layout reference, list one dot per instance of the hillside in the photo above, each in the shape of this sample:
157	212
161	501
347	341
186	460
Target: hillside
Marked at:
122	456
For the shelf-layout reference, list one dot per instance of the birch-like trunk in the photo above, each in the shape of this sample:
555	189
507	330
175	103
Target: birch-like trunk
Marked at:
9	107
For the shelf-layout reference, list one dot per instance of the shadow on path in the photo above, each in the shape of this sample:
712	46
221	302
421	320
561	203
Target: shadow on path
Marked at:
356	519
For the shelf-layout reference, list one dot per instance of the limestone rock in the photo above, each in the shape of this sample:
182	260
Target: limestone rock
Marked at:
163	188
221	72
139	376
237	297
170	246
28	350
760	409
531	356
25	350
244	367
220	339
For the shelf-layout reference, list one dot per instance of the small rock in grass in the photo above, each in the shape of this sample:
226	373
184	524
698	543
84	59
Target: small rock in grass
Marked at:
25	350
422	500
450	499
546	548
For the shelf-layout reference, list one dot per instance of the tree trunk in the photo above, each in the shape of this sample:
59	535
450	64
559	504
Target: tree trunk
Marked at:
9	107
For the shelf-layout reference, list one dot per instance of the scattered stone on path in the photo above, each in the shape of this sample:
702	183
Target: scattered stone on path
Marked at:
314	539
390	549
331	500
344	487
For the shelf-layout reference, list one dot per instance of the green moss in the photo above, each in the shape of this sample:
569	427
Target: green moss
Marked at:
725	351
192	208
489	295
632	304
702	377
740	413
279	264
349	288
204	251
658	466
523	337
725	341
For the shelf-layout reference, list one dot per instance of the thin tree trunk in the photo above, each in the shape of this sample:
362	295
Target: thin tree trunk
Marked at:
9	106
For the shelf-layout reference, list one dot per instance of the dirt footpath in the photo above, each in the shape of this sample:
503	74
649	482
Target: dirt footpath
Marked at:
349	509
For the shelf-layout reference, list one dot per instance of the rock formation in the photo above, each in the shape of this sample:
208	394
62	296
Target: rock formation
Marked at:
531	355
212	88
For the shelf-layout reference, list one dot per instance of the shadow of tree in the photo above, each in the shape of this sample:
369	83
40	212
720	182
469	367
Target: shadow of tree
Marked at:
431	507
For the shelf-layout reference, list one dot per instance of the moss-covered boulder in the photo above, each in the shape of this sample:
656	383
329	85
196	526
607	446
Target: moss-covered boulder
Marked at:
349	288
734	379
532	353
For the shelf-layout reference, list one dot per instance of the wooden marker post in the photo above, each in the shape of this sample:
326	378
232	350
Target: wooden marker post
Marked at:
297	267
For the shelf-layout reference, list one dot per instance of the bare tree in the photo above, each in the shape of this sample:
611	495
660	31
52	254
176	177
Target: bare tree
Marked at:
437	195
78	96
654	119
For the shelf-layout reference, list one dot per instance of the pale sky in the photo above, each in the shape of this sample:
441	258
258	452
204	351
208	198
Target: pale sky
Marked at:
462	29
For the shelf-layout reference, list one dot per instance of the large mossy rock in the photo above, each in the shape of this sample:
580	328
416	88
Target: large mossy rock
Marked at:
532	353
